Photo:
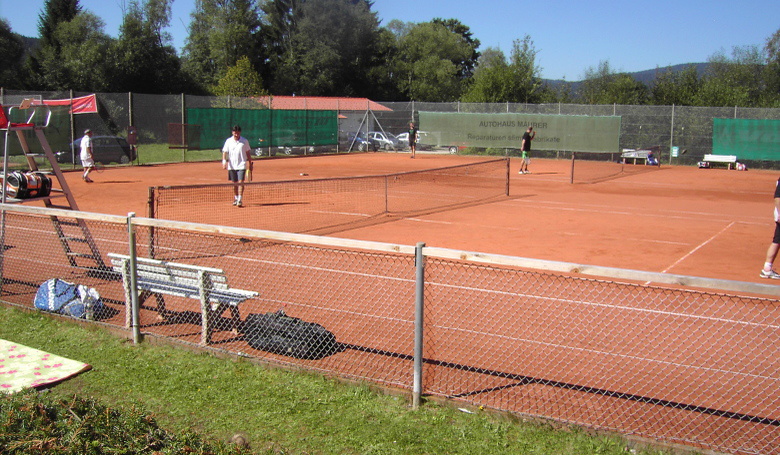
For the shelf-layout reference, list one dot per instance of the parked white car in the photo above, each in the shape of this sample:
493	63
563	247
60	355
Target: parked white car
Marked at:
402	140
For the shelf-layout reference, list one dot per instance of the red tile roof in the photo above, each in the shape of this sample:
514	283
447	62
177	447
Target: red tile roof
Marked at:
323	103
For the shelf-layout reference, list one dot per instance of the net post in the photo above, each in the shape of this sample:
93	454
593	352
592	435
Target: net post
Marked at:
419	265
571	177
150	202
508	174
387	194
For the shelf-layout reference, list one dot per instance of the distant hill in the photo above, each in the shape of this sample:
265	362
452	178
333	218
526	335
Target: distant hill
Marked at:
646	77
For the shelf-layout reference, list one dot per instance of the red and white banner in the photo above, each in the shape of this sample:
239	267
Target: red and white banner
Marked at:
81	105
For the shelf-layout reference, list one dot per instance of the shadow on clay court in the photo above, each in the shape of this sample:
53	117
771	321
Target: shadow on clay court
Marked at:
521	380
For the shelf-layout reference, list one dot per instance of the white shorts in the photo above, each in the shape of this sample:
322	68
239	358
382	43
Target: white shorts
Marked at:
89	162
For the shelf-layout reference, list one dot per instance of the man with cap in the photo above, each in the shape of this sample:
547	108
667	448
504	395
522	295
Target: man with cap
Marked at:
87	158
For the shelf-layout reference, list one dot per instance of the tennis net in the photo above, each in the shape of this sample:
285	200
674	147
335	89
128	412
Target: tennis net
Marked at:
320	206
592	167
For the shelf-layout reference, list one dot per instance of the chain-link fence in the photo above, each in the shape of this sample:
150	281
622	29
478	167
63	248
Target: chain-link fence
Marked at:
681	360
688	129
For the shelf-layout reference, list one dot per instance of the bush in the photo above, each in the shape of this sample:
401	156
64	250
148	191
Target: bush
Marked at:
36	422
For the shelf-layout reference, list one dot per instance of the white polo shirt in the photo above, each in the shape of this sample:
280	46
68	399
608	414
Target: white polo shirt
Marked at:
237	151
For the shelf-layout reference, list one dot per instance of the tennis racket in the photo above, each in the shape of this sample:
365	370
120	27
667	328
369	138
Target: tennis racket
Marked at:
249	171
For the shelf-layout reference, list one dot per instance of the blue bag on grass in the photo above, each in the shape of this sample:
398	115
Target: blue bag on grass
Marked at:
75	300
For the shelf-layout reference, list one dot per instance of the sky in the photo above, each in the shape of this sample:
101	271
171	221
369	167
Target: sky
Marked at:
570	36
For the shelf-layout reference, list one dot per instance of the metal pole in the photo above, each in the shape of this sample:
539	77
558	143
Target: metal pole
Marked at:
151	214
571	179
508	173
133	280
671	139
183	129
3	200
72	126
419	263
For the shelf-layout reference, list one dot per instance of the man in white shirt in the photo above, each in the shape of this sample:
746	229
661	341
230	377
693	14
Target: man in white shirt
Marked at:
87	157
771	254
237	158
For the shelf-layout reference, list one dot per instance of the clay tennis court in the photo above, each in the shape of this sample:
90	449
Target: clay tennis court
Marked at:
712	223
637	359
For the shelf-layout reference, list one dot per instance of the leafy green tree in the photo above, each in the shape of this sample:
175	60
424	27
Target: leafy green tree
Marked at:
772	71
54	13
526	83
43	66
496	81
278	26
333	46
466	66
428	66
78	59
734	81
240	80
379	75
604	86
143	58
82	56
221	32
11	53
399	28
676	87
492	79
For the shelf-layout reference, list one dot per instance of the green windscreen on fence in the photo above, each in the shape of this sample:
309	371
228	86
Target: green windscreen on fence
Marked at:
57	133
265	127
576	133
748	139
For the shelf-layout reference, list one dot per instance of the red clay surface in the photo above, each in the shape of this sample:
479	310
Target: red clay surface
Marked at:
703	222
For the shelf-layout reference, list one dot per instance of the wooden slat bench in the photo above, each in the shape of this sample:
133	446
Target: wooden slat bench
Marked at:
206	284
632	154
728	159
645	156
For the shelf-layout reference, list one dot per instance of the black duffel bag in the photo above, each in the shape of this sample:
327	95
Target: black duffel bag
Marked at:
25	185
281	334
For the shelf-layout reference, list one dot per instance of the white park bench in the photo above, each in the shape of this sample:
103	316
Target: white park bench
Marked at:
641	155
727	159
206	284
633	154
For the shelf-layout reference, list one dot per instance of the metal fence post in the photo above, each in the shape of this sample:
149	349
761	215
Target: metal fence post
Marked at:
133	291
671	138
419	280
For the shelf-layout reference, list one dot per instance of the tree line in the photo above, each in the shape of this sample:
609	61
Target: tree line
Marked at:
339	48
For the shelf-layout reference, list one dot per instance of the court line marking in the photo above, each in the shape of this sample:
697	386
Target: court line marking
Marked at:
701	245
555	205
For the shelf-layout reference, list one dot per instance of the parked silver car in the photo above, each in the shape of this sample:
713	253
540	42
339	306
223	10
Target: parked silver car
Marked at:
386	141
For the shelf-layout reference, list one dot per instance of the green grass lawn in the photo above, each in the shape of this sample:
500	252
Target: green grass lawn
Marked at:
278	411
